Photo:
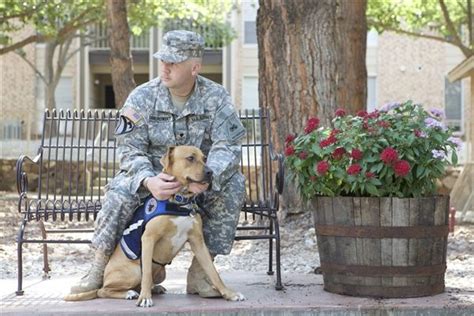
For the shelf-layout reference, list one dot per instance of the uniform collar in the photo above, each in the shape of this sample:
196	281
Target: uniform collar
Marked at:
193	106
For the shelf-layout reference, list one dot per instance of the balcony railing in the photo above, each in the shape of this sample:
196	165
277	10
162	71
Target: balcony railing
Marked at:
137	42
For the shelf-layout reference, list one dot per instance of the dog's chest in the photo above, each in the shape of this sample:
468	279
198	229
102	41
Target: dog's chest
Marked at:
183	225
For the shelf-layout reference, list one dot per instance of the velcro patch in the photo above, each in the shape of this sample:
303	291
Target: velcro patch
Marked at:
132	115
124	126
234	127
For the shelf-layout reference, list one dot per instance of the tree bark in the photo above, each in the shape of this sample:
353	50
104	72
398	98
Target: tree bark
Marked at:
311	62
120	54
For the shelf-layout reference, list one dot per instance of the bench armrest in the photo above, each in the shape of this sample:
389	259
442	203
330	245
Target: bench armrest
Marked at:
21	176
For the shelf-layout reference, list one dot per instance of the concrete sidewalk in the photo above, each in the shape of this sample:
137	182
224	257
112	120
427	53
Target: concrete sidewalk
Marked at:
303	295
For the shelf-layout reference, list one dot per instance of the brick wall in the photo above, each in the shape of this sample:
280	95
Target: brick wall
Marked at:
17	86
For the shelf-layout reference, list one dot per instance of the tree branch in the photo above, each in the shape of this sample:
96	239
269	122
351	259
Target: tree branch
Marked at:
452	29
84	45
28	12
20	44
23	56
466	50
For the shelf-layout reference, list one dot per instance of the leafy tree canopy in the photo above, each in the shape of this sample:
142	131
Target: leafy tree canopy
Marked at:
57	19
448	21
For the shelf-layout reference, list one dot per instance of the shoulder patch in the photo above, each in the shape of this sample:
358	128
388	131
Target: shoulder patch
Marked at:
235	129
124	126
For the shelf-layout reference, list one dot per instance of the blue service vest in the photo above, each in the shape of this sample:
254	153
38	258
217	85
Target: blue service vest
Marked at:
131	241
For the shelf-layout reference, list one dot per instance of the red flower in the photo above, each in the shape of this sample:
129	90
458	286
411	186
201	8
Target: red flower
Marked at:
373	114
334	132
322	167
357	154
362	113
328	141
383	124
338	153
290	138
312	124
303	155
369	174
389	156
289	151
340	112
354	169
401	168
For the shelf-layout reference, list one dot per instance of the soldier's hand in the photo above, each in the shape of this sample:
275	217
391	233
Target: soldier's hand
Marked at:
163	186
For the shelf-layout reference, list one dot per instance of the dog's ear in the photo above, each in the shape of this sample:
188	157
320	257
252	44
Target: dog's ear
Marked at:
167	159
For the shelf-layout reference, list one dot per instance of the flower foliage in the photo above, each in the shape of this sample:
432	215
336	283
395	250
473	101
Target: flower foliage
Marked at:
399	151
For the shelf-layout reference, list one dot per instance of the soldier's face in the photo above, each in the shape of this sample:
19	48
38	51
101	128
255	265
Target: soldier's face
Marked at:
175	76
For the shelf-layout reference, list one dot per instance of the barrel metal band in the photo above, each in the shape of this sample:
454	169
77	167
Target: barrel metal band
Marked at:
385	291
383	232
378	271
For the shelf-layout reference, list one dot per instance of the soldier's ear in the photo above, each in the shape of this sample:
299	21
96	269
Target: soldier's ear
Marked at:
167	160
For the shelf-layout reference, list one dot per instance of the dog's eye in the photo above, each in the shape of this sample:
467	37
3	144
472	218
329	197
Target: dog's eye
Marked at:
190	158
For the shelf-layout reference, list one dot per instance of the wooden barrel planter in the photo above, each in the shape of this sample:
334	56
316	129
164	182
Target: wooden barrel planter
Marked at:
382	247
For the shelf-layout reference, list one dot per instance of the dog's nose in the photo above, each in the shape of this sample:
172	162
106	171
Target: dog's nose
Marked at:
208	172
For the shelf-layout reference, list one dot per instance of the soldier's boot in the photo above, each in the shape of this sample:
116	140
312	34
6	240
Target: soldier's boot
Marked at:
198	283
94	279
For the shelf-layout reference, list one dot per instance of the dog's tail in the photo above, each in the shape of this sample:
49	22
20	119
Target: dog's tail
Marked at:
90	295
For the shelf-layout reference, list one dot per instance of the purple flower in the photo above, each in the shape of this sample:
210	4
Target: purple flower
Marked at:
433	123
437	112
390	106
456	142
438	154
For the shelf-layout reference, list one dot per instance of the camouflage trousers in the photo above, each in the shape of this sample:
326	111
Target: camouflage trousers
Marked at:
219	226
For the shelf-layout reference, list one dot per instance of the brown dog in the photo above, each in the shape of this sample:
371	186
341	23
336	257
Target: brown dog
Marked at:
162	239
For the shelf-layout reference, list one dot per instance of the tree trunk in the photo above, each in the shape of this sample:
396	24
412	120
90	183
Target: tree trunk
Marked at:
311	62
120	54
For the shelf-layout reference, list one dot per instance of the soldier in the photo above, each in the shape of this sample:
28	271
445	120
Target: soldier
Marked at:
178	108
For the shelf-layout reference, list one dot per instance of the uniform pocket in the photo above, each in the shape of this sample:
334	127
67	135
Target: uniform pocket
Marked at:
160	130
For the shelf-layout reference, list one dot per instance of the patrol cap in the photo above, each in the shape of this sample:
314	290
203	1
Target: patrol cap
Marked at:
179	45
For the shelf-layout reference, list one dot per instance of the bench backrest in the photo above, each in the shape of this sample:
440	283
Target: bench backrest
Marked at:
78	158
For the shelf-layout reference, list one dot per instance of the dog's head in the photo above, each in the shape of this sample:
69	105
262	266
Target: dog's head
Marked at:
187	164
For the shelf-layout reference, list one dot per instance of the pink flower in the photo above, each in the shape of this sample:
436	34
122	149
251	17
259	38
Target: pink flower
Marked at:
383	124
389	156
340	112
338	153
290	138
401	168
369	175
303	155
322	167
311	125
289	151
373	115
362	113
357	154
354	169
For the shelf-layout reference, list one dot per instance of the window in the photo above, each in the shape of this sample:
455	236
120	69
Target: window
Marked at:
371	93
453	104
249	93
372	38
249	14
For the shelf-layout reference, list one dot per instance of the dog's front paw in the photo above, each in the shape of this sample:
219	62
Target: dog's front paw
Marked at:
234	296
144	300
131	294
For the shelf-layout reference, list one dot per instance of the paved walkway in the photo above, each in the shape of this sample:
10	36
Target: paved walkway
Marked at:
303	295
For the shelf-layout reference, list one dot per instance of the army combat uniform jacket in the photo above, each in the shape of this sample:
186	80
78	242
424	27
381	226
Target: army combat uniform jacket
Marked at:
148	125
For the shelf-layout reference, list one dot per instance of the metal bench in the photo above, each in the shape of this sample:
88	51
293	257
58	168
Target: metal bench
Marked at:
77	158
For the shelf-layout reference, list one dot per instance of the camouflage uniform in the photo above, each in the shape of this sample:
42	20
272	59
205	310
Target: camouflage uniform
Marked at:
150	123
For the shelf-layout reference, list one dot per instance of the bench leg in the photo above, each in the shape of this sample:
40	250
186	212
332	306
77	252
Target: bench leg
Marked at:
46	268
278	285
270	250
19	241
